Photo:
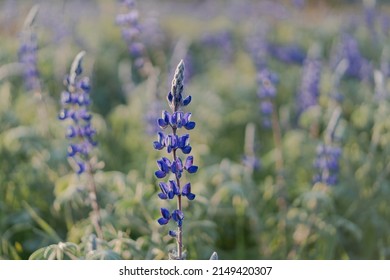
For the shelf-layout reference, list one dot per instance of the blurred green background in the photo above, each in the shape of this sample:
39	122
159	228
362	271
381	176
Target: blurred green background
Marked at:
241	211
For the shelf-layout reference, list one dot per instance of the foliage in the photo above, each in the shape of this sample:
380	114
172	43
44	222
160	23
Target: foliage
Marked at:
269	207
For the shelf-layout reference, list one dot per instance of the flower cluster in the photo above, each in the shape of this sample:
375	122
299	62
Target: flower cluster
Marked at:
309	91
327	164
290	54
267	92
131	30
348	49
75	101
28	53
173	143
258	49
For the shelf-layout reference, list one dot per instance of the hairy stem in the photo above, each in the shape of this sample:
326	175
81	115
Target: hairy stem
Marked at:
279	162
179	207
280	182
96	218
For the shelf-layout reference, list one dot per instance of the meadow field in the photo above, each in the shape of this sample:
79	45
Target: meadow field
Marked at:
168	129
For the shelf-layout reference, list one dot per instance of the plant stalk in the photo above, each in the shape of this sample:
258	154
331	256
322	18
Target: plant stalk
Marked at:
96	218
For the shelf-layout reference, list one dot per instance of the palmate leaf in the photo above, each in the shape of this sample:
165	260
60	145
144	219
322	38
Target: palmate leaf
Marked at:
214	256
103	255
60	251
38	254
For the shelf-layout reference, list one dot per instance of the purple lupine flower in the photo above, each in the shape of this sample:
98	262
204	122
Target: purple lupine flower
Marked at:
327	164
258	48
292	54
28	53
131	30
75	101
187	191
266	81
309	90
166	216
348	49
370	16
173	143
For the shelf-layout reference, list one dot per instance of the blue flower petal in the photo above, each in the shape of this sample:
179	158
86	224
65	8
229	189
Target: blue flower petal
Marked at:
190	196
190	125
73	149
177	215
186	189
170	97
166	116
160	174
163	221
171	194
187	100
165	213
158	145
81	167
173	121
161	123
186	150
174	187
192	169
162	196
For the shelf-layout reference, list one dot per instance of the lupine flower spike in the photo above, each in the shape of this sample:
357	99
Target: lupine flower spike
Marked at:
131	30
75	102
28	63
28	53
175	166
309	91
267	92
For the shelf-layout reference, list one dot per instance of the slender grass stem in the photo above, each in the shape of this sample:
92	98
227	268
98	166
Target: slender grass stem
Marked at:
92	190
280	180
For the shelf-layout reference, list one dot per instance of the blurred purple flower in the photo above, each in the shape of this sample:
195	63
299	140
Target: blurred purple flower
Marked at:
348	49
75	103
287	53
309	90
131	30
327	164
266	92
28	52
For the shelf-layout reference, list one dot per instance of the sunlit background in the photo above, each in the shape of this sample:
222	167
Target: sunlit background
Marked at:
292	136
